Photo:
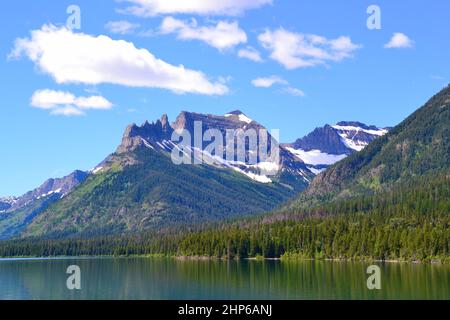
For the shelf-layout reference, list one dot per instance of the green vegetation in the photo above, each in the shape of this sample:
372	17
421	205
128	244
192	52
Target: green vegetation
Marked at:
154	193
418	146
11	224
410	223
389	202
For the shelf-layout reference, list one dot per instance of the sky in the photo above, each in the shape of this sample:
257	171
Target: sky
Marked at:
71	83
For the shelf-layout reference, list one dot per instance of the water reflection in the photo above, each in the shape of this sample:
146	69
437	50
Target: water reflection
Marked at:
160	278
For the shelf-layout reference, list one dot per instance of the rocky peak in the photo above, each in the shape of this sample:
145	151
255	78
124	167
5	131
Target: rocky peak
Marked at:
136	136
325	139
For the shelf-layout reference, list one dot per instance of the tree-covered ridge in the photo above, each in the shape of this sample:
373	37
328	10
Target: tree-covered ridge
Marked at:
418	146
410	223
151	193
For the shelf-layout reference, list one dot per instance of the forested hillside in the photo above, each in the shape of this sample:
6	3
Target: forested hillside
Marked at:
410	223
151	194
420	145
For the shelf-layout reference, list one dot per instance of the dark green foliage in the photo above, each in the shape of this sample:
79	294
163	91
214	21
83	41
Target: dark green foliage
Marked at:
418	146
390	201
155	193
410	223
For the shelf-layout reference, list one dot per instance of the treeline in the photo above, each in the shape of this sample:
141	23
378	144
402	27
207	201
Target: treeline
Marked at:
412	222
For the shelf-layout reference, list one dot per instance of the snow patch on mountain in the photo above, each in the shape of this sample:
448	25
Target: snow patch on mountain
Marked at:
9	200
57	191
351	134
379	132
316	157
242	117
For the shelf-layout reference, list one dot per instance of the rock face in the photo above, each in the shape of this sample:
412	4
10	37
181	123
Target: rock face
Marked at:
233	126
325	139
329	144
136	136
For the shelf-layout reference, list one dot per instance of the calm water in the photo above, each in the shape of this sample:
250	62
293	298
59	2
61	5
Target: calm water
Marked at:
160	278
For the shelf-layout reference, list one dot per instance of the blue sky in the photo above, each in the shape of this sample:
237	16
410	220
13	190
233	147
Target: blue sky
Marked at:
67	95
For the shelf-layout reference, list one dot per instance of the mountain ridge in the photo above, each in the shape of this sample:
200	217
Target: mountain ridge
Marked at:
419	145
151	142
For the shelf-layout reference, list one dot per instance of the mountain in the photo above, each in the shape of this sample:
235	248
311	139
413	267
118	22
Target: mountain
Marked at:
139	187
157	136
17	212
329	144
416	148
6	203
390	201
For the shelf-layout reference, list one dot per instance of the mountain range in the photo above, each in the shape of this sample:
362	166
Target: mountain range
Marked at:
138	187
390	201
415	149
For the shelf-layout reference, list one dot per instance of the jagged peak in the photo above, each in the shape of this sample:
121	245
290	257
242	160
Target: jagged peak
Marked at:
155	131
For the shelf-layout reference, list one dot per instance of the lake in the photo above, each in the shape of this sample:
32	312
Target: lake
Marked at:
165	278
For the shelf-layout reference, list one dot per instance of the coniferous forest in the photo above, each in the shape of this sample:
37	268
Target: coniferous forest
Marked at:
411	223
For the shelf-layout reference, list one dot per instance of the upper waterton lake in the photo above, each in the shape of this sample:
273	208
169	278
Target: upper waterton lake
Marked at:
164	278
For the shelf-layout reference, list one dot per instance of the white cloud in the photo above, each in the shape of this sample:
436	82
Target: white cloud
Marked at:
66	103
294	92
250	53
268	81
399	40
121	27
67	111
224	35
93	102
81	58
149	8
50	99
297	50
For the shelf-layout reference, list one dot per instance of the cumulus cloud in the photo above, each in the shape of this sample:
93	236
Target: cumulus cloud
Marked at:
297	50
67	111
399	40
149	8
66	103
81	58
224	35
250	53
268	81
294	91
121	27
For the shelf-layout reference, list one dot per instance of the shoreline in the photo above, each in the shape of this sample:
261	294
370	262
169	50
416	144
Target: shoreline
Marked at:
208	258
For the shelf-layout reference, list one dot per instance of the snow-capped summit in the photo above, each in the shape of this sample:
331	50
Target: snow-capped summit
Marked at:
239	115
328	144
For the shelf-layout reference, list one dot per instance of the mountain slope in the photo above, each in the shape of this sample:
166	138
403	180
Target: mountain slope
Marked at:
417	147
18	212
139	187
